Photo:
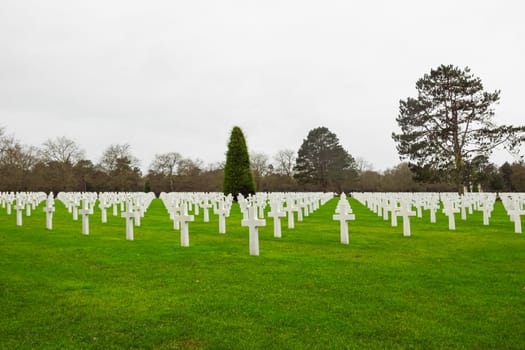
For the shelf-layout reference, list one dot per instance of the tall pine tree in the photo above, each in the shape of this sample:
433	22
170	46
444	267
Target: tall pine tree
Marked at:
238	177
322	163
449	123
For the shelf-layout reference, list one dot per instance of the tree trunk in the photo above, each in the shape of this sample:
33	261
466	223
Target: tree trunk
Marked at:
458	157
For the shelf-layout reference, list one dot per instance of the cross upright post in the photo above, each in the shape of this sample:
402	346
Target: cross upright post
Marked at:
277	214
183	219
343	218
85	216
129	215
253	223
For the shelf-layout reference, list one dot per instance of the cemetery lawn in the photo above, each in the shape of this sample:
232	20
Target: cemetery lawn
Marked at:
436	289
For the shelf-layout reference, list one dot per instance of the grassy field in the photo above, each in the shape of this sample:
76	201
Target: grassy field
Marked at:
436	289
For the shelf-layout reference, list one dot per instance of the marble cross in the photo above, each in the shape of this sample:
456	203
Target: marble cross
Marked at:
343	218
276	213
253	223
129	215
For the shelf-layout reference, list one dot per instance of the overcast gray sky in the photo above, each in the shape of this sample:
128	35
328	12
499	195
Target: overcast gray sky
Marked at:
178	75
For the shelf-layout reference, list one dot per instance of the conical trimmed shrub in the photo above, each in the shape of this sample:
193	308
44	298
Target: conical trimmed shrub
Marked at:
238	177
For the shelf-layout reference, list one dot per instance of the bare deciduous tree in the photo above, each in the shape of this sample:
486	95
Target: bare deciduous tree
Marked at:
189	167
285	161
363	165
259	164
61	150
14	154
166	165
16	163
114	153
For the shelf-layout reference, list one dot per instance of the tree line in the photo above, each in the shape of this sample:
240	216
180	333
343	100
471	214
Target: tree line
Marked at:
447	134
321	164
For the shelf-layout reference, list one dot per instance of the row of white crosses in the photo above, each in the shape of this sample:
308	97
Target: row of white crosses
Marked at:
485	203
132	204
180	204
253	211
133	207
514	204
178	209
466	204
395	204
284	204
7	199
401	204
83	200
24	201
118	201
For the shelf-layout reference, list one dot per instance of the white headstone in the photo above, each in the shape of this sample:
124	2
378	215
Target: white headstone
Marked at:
290	209
516	214
85	212
49	209
102	205
276	214
205	208
406	212
75	212
19	207
450	210
253	223
183	219
222	212
129	215
343	218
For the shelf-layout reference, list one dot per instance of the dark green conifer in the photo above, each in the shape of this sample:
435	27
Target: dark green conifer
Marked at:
238	177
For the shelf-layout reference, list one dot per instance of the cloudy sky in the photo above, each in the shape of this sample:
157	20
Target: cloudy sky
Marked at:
178	75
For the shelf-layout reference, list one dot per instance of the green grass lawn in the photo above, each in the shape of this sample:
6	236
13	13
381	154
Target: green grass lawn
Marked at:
436	289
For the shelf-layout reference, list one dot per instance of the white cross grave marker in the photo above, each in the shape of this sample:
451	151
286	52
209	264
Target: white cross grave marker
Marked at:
394	213
115	208
276	214
138	214
205	208
433	207
19	207
343	218
75	212
406	212
85	212
221	211
183	219
290	208
253	223
516	213
129	216
450	210
49	209
28	209
487	210
102	205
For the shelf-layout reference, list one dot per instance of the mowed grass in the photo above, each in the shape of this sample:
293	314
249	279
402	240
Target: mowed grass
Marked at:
437	289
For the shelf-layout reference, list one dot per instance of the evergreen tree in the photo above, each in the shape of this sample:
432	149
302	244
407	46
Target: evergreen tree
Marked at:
322	162
449	123
506	174
238	177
